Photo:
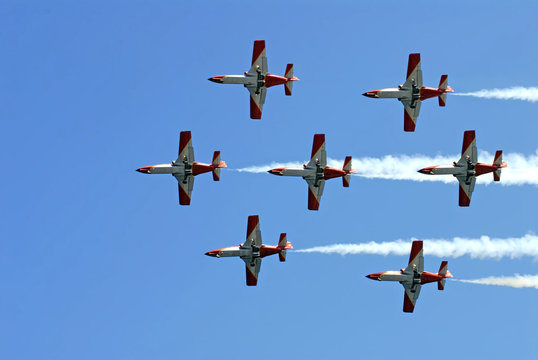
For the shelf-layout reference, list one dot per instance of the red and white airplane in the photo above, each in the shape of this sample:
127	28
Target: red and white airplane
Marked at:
411	93
252	250
414	276
257	79
467	168
184	169
316	172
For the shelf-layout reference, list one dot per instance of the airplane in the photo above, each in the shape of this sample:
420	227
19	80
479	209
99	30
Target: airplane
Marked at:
184	169
316	172
252	250
257	79
467	168
414	276
411	93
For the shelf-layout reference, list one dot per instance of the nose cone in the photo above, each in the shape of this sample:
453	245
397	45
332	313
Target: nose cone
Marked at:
211	253
216	79
276	171
145	169
427	170
374	276
372	94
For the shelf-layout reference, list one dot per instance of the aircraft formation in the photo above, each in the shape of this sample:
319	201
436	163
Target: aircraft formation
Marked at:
411	94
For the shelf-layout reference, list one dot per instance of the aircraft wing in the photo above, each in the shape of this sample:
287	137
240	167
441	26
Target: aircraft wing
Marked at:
319	155
315	190
410	297
252	270
184	186
466	189
186	151
410	114
468	149
416	258
259	60
414	72
254	235
257	99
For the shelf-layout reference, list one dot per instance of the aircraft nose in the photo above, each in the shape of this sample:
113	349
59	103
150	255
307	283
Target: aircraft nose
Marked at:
374	276
371	94
144	169
426	170
216	79
211	253
276	171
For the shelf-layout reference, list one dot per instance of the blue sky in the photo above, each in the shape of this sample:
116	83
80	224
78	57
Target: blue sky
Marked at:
99	261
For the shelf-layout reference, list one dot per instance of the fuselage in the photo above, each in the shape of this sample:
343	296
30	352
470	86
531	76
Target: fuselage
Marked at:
311	172
408	277
407	93
252	79
248	252
174	168
456	169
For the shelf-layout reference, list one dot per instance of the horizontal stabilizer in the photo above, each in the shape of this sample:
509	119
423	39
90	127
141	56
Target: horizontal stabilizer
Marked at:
441	284
282	255
345	180
442	100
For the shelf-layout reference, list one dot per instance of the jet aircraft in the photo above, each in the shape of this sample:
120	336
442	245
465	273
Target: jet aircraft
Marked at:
467	168
411	93
257	79
414	276
184	169
316	172
252	250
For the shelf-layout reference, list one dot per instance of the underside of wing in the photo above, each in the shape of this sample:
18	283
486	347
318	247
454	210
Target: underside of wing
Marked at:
414	72
411	112
185	185
416	258
257	99
254	235
466	189
410	297
252	269
259	59
319	155
468	149
186	151
315	190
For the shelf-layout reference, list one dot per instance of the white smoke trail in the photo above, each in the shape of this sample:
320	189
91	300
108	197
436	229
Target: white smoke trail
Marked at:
521	169
513	93
481	248
516	281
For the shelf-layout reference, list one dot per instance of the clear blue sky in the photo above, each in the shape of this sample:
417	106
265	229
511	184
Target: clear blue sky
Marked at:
99	261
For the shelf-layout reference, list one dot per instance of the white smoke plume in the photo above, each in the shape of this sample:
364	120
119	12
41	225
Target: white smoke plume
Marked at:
516	281
521	169
480	248
513	93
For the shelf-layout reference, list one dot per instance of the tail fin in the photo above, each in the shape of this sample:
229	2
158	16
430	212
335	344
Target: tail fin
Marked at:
441	284
498	160
442	99
283	243
443	85
443	270
347	167
217	165
289	75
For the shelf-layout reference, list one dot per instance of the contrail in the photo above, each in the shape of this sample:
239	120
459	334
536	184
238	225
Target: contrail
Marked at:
521	169
516	281
513	93
479	248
